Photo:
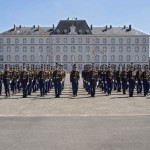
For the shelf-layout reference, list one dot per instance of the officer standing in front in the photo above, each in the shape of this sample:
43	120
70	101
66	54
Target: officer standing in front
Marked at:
57	78
74	78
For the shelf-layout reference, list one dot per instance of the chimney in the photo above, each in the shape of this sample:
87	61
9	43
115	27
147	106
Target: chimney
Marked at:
38	27
124	26
53	27
110	26
19	26
106	28
130	27
91	27
33	26
14	27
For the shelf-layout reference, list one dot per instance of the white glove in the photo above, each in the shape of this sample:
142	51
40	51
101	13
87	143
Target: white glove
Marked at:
136	81
142	82
127	83
88	83
96	83
105	81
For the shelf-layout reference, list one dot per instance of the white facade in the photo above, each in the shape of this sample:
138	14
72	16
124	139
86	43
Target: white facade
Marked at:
74	48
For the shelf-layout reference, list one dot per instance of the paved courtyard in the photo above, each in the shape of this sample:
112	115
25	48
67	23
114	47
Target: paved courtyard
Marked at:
114	122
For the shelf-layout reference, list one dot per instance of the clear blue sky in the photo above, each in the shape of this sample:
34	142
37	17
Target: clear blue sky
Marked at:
96	12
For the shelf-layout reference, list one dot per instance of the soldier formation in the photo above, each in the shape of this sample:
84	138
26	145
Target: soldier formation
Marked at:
120	79
31	79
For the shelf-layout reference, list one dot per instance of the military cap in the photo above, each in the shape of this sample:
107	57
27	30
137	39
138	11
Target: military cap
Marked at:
74	66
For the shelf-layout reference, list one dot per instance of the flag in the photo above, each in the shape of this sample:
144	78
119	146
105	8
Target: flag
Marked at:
102	52
93	52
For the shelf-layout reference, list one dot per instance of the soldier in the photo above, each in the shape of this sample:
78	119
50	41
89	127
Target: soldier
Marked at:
35	76
138	80
41	79
124	80
57	78
118	79
29	86
93	76
24	77
63	77
131	79
6	80
109	79
146	78
1	81
14	81
74	78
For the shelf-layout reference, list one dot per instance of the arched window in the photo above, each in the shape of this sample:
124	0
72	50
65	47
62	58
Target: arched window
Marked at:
72	58
57	57
113	41
47	49
24	40
128	49
40	40
143	41
104	40
8	58
17	49
136	58
47	40
87	48
104	49
41	57
1	57
65	57
24	49
136	49
65	48
72	48
57	49
120	49
120	58
128	41
47	58
16	40
8	49
143	58
41	49
120	40
112	58
65	40
104	58
136	41
24	58
16	58
144	49
97	58
96	49
32	58
87	58
80	57
32	49
1	49
128	58
80	48
112	49
80	40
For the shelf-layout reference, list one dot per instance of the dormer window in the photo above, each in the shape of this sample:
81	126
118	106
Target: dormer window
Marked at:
72	30
87	31
58	31
65	31
80	31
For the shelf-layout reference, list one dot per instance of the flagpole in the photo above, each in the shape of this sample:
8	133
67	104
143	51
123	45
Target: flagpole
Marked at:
107	57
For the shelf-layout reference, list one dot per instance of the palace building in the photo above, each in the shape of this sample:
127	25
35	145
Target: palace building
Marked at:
74	41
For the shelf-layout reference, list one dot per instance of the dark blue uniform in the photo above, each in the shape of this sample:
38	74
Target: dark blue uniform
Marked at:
74	78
